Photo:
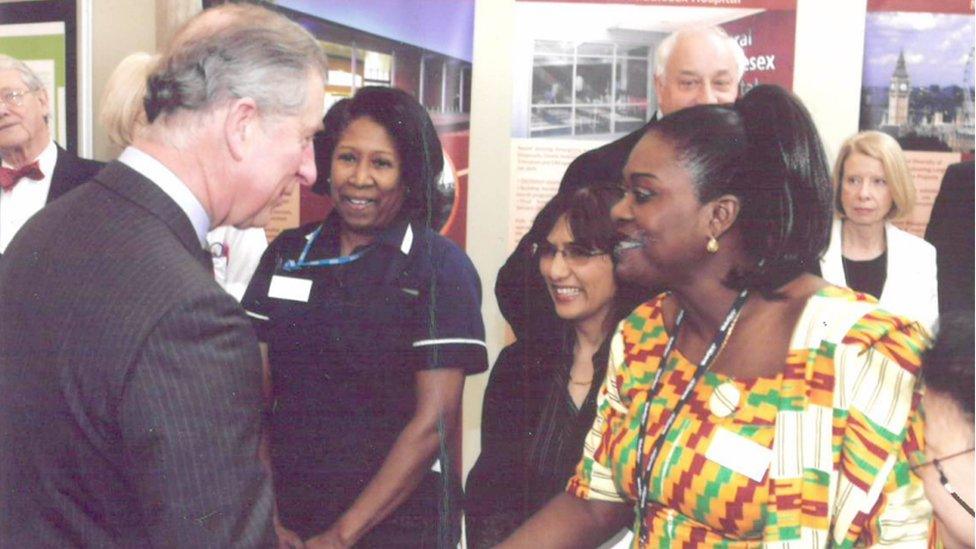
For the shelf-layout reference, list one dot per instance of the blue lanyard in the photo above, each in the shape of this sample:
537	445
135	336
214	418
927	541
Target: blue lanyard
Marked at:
292	265
643	474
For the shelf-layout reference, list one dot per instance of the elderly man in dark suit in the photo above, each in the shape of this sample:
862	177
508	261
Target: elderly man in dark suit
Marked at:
34	169
131	382
691	67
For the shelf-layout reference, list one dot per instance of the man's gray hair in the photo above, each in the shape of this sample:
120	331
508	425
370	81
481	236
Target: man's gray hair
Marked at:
30	78
664	49
268	60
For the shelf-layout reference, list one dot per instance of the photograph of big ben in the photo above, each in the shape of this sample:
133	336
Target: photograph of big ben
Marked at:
918	79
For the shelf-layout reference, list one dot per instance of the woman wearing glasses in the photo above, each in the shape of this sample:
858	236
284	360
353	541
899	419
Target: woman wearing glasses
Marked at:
541	398
753	404
947	469
371	321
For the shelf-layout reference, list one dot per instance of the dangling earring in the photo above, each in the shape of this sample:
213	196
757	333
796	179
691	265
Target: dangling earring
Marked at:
712	245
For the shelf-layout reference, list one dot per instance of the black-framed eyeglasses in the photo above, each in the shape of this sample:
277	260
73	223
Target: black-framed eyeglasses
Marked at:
944	481
14	98
573	253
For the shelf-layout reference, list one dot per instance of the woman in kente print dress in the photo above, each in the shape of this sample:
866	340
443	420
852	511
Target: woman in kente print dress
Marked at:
753	404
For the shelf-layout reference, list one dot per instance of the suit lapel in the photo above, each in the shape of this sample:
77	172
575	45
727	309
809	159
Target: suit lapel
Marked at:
133	186
60	182
831	265
892	246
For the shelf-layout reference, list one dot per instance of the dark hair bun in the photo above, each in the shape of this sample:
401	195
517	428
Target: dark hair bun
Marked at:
163	94
765	150
948	366
785	168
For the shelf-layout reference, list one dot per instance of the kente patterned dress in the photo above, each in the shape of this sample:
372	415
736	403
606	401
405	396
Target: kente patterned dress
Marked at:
816	456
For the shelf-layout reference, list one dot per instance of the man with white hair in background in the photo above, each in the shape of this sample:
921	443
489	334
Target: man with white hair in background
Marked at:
132	383
695	66
35	170
699	66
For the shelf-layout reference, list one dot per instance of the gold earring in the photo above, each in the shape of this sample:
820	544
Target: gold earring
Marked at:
712	245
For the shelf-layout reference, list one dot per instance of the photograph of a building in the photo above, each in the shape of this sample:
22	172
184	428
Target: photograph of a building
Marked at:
423	47
591	75
918	79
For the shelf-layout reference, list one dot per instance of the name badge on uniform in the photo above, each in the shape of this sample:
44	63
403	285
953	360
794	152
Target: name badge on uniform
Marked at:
739	454
293	289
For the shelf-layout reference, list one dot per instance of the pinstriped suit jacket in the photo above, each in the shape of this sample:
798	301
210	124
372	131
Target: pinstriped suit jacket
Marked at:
129	381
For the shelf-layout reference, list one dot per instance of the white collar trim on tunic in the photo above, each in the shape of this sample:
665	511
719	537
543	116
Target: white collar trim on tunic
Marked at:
405	244
407	240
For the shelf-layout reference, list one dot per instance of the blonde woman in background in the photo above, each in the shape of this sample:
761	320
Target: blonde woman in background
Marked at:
235	252
867	252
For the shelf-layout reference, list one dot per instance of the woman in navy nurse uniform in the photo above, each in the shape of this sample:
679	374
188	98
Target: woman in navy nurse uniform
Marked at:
371	322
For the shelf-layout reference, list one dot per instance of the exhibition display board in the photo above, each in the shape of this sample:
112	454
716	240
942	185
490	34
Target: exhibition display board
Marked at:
421	47
582	74
42	34
917	87
589	79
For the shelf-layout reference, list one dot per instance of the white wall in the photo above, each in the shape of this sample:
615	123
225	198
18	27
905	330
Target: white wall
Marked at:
827	77
491	105
119	27
829	60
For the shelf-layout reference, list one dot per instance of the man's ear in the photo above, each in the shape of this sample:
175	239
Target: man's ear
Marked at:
724	210
45	101
241	126
42	97
658	85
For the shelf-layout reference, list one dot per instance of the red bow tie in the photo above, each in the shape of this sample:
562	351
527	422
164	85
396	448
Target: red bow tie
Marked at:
10	176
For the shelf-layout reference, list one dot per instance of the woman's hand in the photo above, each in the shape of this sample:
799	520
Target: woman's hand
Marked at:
438	397
286	538
330	539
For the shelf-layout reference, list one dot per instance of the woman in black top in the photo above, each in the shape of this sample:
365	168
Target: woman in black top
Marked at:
541	397
371	321
867	252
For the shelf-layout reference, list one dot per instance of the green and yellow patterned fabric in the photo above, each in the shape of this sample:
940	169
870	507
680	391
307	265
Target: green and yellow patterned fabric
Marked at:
816	456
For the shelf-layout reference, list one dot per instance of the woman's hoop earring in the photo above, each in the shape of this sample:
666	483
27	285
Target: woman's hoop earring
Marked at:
712	245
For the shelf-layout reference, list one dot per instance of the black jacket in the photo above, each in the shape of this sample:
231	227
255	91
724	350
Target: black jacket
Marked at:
132	382
950	230
70	172
505	487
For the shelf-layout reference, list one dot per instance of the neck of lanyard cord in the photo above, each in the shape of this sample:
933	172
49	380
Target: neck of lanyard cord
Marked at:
643	473
292	265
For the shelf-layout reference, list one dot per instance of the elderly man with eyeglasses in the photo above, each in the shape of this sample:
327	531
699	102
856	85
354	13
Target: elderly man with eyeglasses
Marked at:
35	170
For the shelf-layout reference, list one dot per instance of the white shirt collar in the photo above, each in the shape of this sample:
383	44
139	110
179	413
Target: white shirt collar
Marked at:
169	183
17	205
45	160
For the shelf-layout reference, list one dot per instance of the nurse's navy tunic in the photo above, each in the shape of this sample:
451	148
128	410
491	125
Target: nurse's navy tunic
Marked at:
345	341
